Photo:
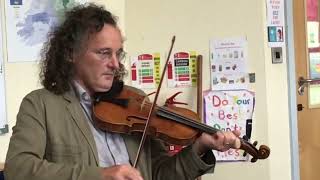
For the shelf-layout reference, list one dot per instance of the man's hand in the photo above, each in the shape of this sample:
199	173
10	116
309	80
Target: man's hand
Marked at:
121	172
221	141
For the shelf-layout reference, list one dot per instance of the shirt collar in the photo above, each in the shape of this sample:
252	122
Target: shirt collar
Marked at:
81	92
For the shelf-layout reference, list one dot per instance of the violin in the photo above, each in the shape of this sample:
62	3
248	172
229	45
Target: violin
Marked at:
126	111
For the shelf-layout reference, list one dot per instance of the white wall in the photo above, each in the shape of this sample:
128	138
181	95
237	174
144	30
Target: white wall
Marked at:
150	24
21	78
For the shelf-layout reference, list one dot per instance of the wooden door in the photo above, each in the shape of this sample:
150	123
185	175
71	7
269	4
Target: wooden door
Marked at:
308	118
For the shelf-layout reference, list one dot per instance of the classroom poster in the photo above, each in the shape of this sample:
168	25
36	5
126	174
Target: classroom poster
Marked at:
314	65
314	96
227	111
313	34
182	69
145	70
28	23
228	59
275	23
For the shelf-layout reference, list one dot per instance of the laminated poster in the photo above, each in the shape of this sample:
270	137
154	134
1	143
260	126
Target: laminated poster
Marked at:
229	64
145	70
182	69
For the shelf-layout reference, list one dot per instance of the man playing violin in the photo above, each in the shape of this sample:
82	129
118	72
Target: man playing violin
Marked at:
55	136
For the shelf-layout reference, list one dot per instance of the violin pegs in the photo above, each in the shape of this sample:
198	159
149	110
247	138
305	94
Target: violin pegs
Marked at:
264	151
244	154
245	138
254	160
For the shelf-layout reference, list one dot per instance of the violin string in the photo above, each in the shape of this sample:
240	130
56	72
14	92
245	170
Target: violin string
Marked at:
183	120
189	121
148	105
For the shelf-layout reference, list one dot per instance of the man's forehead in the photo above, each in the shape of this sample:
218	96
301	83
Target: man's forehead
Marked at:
107	33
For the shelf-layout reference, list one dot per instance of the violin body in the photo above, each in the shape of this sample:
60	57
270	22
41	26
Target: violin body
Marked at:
132	118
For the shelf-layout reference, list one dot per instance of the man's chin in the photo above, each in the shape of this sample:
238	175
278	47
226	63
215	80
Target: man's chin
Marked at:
104	88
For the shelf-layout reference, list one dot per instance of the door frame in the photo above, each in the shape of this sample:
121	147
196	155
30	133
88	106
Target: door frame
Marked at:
292	88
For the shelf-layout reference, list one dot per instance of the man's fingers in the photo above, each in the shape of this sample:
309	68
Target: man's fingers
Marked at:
237	133
133	174
121	172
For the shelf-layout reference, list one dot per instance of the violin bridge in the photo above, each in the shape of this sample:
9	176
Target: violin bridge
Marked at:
143	103
145	99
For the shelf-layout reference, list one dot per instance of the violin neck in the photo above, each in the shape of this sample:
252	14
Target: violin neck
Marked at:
164	112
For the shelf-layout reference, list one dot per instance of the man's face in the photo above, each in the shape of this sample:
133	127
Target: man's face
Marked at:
94	68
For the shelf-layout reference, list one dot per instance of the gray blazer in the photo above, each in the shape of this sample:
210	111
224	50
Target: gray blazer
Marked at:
52	140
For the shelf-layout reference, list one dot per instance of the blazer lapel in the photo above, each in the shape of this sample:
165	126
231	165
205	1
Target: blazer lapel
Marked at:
132	144
79	117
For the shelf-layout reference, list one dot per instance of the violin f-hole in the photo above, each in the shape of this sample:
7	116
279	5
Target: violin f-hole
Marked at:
137	117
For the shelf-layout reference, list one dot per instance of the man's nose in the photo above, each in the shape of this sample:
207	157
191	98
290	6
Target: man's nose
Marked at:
114	62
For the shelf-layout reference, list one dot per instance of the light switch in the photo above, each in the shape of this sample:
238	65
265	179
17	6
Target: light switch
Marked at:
276	53
252	77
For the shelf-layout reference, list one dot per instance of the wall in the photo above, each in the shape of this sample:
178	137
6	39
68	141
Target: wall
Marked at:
21	78
150	24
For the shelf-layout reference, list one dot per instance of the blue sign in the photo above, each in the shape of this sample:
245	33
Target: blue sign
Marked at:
272	34
15	2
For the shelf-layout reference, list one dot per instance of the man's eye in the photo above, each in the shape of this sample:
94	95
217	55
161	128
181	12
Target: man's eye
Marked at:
104	54
121	55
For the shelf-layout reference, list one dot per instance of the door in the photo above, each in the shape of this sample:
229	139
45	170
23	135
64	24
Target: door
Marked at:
309	116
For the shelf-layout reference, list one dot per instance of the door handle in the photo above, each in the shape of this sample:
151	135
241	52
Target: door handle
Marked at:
304	82
300	107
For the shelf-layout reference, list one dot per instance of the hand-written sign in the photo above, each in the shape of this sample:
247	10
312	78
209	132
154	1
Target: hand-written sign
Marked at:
228	111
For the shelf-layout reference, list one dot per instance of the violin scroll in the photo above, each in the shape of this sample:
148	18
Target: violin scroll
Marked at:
262	153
